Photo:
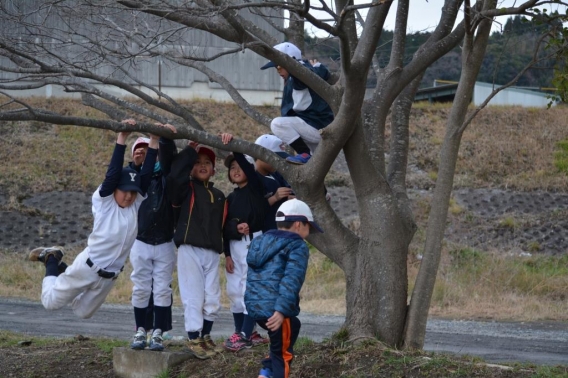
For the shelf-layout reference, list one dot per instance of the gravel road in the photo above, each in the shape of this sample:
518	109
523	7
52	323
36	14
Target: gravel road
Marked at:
543	343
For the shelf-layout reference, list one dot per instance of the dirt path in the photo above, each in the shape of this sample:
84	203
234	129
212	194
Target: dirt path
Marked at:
538	343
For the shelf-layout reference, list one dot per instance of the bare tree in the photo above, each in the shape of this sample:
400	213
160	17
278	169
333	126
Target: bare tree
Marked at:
89	46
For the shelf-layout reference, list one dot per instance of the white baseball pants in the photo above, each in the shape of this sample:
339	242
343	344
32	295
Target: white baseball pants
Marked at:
199	287
291	128
80	285
237	281
152	270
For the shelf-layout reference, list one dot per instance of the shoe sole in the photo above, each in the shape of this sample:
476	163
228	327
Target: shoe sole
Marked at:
295	162
35	253
156	349
138	347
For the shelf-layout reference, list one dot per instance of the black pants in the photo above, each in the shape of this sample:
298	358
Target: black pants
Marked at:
281	346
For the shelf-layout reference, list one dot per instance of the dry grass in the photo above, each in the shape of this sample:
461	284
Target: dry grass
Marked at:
470	284
473	283
504	147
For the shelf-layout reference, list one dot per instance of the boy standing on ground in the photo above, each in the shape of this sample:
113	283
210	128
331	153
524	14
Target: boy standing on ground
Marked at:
153	253
201	210
303	112
86	283
277	263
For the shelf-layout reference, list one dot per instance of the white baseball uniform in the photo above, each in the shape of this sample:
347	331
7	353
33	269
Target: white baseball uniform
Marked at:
108	246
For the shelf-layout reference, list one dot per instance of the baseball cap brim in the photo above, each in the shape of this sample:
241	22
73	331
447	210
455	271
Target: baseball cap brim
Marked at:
300	218
130	188
316	227
268	65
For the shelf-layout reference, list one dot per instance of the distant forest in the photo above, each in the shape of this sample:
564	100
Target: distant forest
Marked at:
507	53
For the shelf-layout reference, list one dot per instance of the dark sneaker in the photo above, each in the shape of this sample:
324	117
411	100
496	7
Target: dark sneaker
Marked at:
299	159
198	349
42	254
210	344
256	339
139	342
156	341
265	373
237	343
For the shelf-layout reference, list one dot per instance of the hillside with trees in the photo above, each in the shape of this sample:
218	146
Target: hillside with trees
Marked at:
508	52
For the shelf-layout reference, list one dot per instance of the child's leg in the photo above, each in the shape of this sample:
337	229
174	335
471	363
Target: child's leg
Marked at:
58	291
164	263
148	315
191	287
282	346
141	256
236	281
290	129
212	302
88	302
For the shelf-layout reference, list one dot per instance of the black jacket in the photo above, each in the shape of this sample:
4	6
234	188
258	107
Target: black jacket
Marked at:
156	216
199	207
245	205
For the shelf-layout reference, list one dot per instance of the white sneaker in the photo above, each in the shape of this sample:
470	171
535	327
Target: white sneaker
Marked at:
156	341
139	342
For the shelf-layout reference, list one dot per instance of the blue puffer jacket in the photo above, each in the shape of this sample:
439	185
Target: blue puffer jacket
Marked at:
277	264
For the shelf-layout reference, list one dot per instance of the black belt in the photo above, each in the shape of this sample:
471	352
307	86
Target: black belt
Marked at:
103	273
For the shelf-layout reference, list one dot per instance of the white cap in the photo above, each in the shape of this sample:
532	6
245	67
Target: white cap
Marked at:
295	210
272	143
287	48
138	142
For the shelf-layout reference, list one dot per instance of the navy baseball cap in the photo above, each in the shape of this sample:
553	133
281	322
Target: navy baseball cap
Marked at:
295	210
129	180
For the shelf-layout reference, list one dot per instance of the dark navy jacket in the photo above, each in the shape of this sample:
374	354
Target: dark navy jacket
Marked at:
298	100
156	217
271	184
277	263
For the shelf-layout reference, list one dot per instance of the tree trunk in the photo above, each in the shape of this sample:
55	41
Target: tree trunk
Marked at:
376	277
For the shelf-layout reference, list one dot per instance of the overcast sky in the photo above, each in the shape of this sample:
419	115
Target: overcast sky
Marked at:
424	14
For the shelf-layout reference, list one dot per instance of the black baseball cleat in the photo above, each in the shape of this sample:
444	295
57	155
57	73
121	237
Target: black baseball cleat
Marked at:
42	254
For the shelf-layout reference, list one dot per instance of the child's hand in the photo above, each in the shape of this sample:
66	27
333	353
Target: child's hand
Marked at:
283	192
168	126
229	265
121	138
275	321
192	144
243	228
226	138
154	141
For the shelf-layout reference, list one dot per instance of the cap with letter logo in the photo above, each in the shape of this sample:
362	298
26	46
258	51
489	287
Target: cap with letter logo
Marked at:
129	180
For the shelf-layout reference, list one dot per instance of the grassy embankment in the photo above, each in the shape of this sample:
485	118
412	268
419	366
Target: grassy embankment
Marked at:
512	148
